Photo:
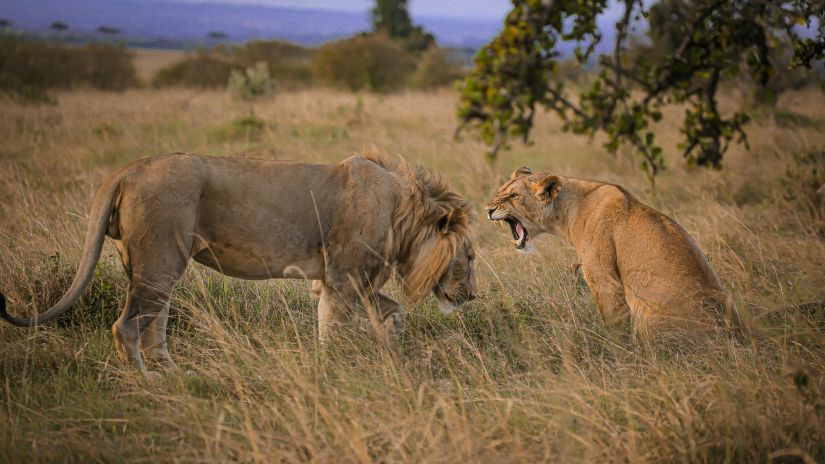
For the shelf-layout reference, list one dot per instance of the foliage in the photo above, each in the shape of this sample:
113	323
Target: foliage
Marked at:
666	20
373	62
30	69
390	17
287	63
59	26
436	69
200	69
105	67
108	30
245	128
251	83
711	41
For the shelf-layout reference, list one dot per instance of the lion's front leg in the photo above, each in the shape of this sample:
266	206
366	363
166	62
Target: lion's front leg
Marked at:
334	308
607	289
331	311
392	315
315	289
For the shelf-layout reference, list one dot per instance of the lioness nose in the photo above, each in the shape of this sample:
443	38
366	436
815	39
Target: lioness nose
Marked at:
490	213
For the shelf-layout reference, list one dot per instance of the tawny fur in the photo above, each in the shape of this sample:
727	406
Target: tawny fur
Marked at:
638	263
349	226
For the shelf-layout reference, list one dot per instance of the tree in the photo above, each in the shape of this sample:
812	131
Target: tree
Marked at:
59	26
391	18
108	30
701	44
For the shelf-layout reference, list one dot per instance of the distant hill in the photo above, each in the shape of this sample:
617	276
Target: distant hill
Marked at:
169	24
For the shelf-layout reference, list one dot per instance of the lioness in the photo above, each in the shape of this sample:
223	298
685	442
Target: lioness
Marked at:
349	225
636	261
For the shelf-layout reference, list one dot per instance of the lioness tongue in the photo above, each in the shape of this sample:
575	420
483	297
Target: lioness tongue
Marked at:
520	232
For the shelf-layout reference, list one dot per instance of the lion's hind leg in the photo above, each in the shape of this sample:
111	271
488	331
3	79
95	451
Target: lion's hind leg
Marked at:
153	339
142	323
153	273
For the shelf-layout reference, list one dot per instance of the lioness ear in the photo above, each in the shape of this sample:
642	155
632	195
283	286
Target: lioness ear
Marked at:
547	187
522	171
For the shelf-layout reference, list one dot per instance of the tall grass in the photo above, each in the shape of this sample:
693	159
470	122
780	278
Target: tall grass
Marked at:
526	373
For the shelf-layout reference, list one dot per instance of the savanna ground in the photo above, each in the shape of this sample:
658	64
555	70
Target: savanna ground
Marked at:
526	373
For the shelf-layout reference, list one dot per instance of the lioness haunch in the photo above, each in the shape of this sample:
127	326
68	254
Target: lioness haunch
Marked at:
637	261
349	225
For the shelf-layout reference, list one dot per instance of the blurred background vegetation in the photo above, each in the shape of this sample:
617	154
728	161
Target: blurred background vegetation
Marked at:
395	56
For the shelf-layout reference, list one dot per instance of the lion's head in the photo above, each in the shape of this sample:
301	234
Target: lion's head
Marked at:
457	284
527	204
432	244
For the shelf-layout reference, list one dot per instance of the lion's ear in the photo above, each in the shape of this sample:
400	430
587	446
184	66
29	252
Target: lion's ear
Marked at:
546	188
444	222
522	171
447	222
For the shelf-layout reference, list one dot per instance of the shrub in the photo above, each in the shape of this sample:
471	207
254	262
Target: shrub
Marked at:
288	63
201	69
29	69
249	127
105	66
436	68
252	83
371	62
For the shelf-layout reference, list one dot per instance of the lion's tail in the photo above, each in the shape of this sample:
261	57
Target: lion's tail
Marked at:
738	324
99	216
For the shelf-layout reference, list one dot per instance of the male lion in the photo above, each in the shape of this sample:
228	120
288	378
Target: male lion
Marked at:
348	225
637	261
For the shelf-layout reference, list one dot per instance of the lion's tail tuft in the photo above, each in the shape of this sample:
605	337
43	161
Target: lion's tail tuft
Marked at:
3	312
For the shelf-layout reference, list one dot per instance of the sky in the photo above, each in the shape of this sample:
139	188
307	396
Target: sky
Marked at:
475	9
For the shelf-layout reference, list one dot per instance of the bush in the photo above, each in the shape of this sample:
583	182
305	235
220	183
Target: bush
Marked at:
252	83
288	63
105	66
371	62
201	69
28	69
436	69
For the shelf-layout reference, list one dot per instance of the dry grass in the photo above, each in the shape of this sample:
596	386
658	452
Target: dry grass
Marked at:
527	373
149	61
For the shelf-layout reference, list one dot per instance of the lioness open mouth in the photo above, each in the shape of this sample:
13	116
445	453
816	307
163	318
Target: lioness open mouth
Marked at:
520	234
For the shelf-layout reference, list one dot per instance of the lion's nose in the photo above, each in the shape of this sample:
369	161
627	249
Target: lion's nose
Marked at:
490	213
